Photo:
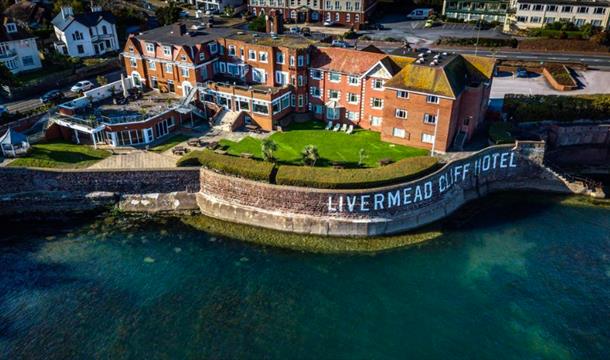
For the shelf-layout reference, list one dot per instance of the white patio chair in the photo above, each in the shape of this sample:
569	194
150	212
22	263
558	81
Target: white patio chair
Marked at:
344	128
350	129
329	125
337	127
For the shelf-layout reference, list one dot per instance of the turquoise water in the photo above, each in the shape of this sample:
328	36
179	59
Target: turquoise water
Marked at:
522	281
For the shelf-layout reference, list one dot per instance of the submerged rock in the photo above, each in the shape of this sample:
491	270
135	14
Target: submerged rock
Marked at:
50	238
149	260
177	250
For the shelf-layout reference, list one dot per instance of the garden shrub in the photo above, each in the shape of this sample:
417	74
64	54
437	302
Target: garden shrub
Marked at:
330	178
230	165
527	108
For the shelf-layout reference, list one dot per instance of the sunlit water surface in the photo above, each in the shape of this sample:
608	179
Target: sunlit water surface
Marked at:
515	282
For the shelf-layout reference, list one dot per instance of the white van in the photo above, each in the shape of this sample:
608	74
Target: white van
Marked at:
420	14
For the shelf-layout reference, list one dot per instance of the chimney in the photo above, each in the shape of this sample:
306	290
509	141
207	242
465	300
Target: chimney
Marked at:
95	9
66	11
274	22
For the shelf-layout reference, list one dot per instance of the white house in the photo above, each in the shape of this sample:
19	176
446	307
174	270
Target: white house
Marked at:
83	35
18	49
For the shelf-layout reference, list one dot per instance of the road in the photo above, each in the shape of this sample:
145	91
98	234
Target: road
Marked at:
31	104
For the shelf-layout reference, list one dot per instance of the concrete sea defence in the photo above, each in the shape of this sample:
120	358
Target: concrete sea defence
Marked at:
384	210
365	212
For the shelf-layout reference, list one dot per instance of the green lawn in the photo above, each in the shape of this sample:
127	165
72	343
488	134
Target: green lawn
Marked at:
332	146
170	143
60	154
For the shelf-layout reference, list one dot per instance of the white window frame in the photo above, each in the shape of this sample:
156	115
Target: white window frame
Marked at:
352	98
330	77
399	132
401	113
427	138
353	80
167	50
373	103
150	47
263	56
432	99
400	93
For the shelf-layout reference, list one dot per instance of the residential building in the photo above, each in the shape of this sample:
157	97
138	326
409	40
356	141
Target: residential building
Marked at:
18	49
536	13
83	35
427	100
28	14
469	10
354	13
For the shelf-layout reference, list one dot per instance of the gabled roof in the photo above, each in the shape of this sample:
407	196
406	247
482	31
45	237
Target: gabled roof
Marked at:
26	12
373	49
448	79
88	19
12	137
346	61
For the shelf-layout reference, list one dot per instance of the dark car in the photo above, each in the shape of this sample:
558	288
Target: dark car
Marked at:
52	96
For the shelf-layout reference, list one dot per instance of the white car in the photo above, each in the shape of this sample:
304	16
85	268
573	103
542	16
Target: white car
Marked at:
340	43
82	86
329	23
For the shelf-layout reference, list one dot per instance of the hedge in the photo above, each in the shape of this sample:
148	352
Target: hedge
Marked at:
230	165
527	108
482	42
329	178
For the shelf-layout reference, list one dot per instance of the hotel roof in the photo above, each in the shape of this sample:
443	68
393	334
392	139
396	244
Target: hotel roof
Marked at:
283	40
346	61
192	34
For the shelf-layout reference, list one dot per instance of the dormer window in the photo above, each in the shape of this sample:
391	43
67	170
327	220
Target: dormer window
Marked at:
11	28
183	57
150	47
167	51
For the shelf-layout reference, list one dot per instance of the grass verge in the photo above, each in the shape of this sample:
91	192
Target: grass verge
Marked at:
62	155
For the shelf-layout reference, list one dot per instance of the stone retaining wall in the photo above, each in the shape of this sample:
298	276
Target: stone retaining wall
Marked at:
19	180
378	211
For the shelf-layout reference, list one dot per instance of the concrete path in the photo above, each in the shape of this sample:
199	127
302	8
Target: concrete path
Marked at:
136	159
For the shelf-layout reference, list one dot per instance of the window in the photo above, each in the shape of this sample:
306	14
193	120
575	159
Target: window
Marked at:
377	84
431	99
337	17
279	58
352	115
260	107
402	94
357	17
213	48
300	101
301	80
183	58
524	7
522	18
334	77
27	61
535	19
397	132
353	80
168	68
184	72
150	47
152	65
315	91
258	75
376	103
583	10
596	23
251	55
317	109
262	56
77	35
347	17
222	66
231	50
427	138
333	95
376	120
599	11
401	113
201	56
104	30
12	28
167	51
352	98
549	20
316	74
80	49
300	60
281	78
291	60
566	9
538	7
332	114
429	119
551	8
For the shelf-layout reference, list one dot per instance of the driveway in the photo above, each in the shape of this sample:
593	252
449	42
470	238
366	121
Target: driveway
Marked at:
398	27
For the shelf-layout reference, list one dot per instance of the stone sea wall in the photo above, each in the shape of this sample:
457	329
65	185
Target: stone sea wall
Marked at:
383	210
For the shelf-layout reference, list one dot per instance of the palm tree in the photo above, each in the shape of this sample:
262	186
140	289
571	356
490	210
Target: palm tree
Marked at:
268	146
310	155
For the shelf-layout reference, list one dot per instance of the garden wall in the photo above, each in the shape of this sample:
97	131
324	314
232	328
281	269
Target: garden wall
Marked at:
378	211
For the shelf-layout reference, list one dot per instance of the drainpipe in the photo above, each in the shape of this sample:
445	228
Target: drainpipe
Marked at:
438	118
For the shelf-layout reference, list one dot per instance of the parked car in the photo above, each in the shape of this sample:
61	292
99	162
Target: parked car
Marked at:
329	23
184	14
432	23
306	31
3	110
420	14
340	43
82	86
379	27
294	30
522	73
53	96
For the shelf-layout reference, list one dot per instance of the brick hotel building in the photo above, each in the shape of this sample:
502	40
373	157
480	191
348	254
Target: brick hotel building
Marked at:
344	12
424	100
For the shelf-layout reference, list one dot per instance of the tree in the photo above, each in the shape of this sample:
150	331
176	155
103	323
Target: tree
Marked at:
258	24
361	156
102	80
268	146
168	14
229	11
7	78
310	155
